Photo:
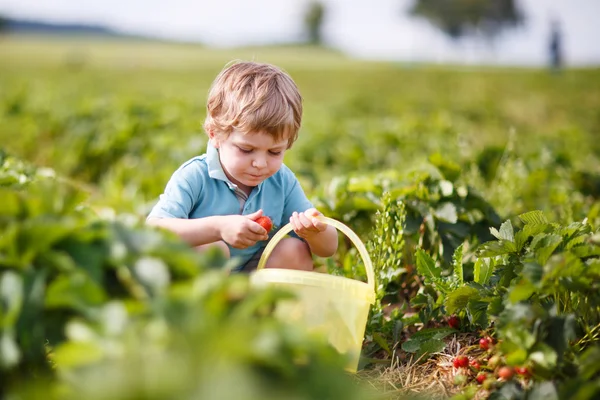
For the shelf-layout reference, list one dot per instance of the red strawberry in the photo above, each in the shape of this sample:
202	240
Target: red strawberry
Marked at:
265	222
461	362
484	343
475	364
505	373
481	377
454	322
522	371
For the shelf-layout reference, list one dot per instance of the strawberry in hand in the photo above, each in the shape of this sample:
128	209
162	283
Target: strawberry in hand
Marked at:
265	222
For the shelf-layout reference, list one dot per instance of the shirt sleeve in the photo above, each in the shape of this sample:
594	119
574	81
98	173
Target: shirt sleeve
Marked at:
181	194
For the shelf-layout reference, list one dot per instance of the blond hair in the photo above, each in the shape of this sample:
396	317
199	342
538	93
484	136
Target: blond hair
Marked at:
254	97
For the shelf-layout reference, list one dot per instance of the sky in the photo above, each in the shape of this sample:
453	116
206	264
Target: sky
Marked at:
374	29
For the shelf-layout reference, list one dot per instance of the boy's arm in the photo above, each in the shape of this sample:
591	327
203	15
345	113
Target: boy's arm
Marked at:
324	244
239	231
196	232
321	238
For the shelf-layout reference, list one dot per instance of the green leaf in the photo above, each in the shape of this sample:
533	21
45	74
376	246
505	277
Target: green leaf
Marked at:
432	333
9	350
517	357
483	270
521	291
528	231
544	245
426	266
11	298
589	365
74	290
478	312
457	300
457	259
520	336
533	272
561	330
381	342
447	213
411	346
533	217
507	232
543	391
544	355
77	354
496	248
431	346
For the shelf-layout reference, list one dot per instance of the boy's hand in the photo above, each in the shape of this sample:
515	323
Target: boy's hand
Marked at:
241	231
305	225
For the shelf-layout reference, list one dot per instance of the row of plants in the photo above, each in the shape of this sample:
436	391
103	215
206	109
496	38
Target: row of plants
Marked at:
104	309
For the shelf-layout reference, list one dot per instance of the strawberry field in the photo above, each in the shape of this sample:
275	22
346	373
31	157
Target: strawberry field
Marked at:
475	190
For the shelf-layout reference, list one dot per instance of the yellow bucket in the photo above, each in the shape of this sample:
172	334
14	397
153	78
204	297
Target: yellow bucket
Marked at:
335	306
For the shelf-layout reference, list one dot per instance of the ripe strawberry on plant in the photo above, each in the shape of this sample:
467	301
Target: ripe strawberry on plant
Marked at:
505	373
461	362
523	371
484	343
265	222
475	364
454	322
481	377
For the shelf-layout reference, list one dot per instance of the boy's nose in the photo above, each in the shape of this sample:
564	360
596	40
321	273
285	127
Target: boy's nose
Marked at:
259	162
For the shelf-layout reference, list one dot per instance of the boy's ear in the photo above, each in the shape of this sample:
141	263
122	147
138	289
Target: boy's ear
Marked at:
213	138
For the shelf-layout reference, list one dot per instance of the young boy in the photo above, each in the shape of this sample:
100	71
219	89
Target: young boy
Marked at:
254	113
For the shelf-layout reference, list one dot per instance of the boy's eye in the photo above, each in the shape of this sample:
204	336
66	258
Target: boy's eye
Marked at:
245	150
275	153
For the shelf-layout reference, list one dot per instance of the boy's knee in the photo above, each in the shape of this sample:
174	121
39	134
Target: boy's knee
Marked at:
291	253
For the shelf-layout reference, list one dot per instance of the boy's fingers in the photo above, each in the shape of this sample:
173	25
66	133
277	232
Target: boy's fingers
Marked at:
257	229
255	215
312	212
309	224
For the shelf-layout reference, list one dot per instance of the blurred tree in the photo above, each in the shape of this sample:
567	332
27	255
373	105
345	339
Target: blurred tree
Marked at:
458	18
313	21
3	23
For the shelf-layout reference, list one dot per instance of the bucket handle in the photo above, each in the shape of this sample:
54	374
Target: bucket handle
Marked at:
329	221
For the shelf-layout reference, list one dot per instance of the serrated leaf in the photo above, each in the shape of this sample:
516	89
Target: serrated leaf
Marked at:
496	248
528	231
533	217
506	231
457	300
478	312
432	333
544	245
457	259
431	346
426	266
411	346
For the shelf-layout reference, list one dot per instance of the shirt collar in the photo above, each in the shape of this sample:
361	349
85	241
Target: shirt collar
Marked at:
215	169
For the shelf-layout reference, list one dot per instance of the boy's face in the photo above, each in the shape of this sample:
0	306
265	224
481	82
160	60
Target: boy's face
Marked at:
248	159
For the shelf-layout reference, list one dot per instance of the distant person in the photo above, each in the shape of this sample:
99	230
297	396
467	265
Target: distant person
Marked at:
253	117
555	47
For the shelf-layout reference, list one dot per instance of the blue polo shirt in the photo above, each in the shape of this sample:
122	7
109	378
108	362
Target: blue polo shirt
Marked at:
199	188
